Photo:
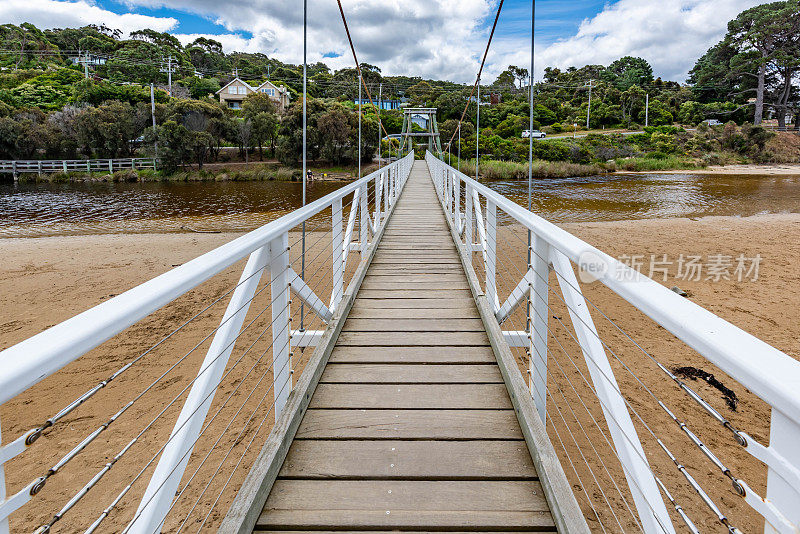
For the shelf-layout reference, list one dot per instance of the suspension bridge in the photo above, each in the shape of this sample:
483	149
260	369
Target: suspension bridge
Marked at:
453	378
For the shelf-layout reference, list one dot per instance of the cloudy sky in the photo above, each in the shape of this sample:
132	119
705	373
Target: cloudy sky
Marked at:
441	39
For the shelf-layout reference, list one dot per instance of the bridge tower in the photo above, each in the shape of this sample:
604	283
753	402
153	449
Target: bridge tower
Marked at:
425	118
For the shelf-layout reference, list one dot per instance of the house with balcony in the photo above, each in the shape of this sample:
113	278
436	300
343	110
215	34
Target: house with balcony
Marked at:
235	91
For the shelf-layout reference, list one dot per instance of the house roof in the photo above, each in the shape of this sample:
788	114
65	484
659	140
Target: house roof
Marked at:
280	89
237	79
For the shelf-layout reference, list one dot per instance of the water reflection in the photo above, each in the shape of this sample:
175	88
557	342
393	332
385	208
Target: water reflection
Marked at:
68	209
652	196
89	208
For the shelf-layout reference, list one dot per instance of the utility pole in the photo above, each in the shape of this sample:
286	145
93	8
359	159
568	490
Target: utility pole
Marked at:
169	74
647	110
267	72
589	109
380	138
477	128
153	115
86	66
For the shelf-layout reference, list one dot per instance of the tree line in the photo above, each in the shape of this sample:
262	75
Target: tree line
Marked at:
50	108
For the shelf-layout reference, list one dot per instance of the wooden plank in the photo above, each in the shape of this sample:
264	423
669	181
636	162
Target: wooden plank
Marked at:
416	269
475	505
440	355
410	339
410	424
421	304
411	373
413	313
411	397
414	293
431	460
431	284
414	277
417	260
430	324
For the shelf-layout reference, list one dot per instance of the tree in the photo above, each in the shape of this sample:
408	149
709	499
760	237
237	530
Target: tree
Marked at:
759	53
629	71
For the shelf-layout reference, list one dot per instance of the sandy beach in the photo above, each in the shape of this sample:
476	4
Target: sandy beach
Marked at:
789	169
46	280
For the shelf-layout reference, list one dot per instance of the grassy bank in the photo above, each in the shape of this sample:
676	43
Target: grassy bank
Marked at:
510	170
644	164
253	172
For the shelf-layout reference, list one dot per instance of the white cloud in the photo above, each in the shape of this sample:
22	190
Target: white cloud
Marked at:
60	14
438	39
670	34
441	39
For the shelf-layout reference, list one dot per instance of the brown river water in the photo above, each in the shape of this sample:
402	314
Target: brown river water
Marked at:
35	210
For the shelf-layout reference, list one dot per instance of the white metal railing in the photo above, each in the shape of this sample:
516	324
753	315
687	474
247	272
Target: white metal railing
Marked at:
42	166
472	208
297	265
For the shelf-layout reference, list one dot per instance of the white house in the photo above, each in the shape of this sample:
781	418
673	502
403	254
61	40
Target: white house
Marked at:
235	91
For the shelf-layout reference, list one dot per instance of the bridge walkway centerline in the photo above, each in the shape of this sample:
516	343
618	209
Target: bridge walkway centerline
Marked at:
411	426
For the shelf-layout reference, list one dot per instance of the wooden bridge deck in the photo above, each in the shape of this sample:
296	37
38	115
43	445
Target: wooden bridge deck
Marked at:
411	426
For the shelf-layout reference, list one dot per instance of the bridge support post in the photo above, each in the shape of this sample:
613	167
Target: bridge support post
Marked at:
338	254
364	221
160	491
468	219
784	435
281	338
4	524
491	255
538	312
641	482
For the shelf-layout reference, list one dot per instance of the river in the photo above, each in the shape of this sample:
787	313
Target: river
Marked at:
36	210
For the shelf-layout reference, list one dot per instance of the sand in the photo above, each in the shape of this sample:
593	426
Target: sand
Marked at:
46	280
788	169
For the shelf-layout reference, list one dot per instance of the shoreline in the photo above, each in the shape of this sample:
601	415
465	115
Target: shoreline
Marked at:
749	169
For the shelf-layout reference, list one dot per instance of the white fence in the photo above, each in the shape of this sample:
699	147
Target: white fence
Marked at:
17	167
617	414
156	365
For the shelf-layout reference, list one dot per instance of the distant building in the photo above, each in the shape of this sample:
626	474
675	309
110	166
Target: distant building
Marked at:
384	104
234	93
89	59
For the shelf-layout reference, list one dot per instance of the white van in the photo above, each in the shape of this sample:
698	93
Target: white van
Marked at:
536	134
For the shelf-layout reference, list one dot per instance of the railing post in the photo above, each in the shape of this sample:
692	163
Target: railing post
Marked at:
385	188
338	253
468	239
281	319
64	163
491	254
160	491
538	313
784	435
364	222
456	200
111	165
641	482
4	524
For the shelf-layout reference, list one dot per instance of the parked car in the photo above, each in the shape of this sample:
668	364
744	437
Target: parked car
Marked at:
536	134
713	122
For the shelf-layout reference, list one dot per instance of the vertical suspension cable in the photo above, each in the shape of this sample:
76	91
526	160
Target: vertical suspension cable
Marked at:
305	151
528	326
477	127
